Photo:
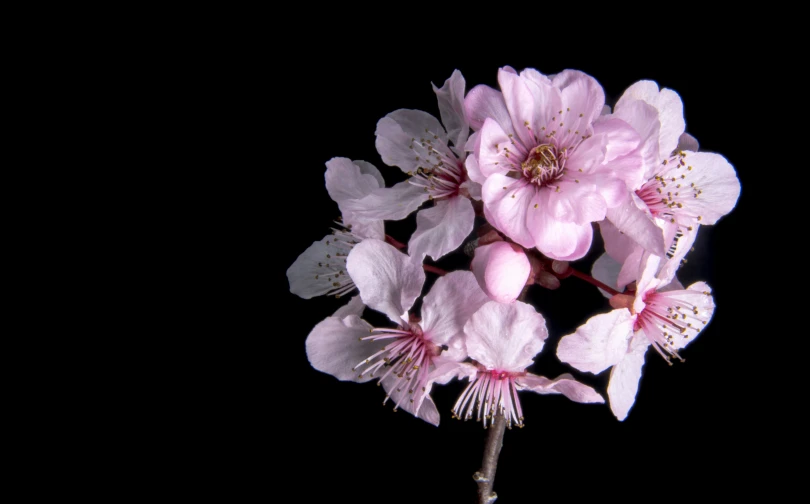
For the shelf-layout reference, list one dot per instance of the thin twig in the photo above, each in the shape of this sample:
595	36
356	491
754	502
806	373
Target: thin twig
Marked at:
492	450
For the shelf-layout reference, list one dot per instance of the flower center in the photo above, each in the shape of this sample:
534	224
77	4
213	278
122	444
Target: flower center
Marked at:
491	392
544	165
407	358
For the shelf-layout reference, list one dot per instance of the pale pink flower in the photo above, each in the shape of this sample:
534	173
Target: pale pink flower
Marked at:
321	268
503	339
549	163
662	314
680	189
409	359
418	144
501	269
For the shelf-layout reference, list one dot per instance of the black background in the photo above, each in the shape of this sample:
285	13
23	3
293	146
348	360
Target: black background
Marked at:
694	425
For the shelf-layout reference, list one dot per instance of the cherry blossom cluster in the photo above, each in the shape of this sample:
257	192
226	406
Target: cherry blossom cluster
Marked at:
541	160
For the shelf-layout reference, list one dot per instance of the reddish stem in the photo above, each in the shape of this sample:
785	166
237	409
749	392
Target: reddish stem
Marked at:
394	242
592	280
434	269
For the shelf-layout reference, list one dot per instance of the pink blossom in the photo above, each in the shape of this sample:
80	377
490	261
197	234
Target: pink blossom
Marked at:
321	268
409	359
501	269
680	189
503	339
548	162
664	316
418	144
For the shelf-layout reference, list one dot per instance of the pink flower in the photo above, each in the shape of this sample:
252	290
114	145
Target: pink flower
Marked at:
409	359
549	163
321	268
418	144
503	340
501	269
656	316
680	189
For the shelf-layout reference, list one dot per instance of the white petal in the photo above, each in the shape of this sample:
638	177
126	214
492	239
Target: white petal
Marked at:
400	134
442	229
670	111
334	347
638	225
388	280
617	245
606	270
449	304
347	180
716	179
427	408
624	379
394	203
317	269
564	384
355	306
598	344
451	108
505	337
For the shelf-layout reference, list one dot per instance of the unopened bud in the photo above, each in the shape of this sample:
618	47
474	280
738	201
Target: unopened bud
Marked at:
559	267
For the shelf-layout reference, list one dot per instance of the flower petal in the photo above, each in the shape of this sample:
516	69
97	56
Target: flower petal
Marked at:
473	171
505	337
598	344
617	245
393	203
581	93
520	103
564	241
670	112
643	117
483	102
427	408
501	269
625	376
506	204
334	347
448	306
399	134
638	225
317	269
451	108
687	142
441	229
491	150
717	182
347	179
564	384
355	306
388	280
606	270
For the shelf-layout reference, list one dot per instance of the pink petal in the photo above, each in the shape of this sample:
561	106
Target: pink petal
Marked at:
388	280
643	117
717	182
441	229
447	307
577	202
564	384
670	111
505	337
451	108
346	179
632	267
617	245
394	203
506	209
564	241
355	306
397	131
581	93
624	378
334	347
622	156
598	344
473	171
501	269
490	153
638	225
520	103
606	270
483	102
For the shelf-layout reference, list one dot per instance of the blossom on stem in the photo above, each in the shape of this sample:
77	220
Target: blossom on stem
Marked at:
680	189
664	316
503	339
548	162
321	268
409	359
418	144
